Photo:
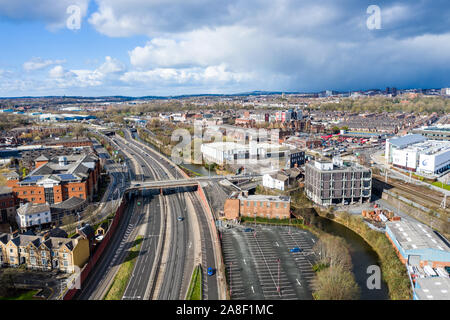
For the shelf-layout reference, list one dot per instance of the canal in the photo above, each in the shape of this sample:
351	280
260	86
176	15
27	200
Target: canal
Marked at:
361	253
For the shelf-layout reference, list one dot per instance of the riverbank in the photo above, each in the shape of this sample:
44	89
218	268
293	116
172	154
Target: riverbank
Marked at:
393	271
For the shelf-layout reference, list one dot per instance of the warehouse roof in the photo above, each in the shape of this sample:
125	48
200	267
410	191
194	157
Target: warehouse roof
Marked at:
259	197
414	235
407	140
433	288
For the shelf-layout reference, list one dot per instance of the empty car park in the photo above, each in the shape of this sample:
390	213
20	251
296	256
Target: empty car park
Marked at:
260	264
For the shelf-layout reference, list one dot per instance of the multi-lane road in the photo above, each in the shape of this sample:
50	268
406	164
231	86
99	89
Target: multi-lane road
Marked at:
173	227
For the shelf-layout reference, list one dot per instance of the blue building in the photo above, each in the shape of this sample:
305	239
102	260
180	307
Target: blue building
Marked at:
417	244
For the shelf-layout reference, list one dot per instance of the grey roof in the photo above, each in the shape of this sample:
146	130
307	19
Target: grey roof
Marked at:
259	197
5	190
280	177
58	233
12	175
41	158
433	288
49	242
78	166
30	208
86	231
407	140
415	235
70	203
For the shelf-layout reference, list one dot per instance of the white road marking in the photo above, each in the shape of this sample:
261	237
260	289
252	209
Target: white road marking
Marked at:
253	290
298	282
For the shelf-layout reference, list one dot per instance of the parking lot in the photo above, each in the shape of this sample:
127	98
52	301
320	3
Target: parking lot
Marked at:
260	265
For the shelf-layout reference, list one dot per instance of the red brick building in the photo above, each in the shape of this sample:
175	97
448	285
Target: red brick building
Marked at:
59	179
271	207
7	204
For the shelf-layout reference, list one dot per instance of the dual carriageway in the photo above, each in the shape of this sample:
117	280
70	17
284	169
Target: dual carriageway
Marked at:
170	248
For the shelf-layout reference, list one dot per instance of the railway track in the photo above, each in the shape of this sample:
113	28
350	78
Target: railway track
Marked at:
415	193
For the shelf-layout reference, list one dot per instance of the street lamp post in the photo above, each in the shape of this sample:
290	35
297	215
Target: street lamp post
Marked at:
278	287
231	279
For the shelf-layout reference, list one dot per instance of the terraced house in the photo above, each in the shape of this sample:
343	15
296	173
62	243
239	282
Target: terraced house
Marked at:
58	179
43	252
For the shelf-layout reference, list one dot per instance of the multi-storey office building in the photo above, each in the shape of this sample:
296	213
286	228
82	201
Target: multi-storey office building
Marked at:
337	182
58	179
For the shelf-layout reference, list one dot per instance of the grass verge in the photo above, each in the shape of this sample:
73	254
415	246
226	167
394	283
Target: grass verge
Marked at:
195	287
120	282
28	295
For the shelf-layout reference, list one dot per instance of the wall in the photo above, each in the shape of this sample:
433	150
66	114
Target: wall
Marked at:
69	294
231	209
267	210
418	214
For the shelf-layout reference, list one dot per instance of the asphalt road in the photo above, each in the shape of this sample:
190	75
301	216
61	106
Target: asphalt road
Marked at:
174	285
179	247
146	220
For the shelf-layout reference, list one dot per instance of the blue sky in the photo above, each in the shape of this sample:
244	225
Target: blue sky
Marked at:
171	47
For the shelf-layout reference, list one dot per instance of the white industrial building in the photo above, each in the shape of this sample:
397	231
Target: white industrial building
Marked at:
232	152
416	153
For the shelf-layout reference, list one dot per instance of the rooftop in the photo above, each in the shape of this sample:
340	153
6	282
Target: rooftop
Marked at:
414	235
407	140
5	190
433	288
259	197
30	208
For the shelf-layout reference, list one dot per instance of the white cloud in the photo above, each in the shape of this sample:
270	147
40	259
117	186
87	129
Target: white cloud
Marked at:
107	72
39	63
111	65
193	76
58	72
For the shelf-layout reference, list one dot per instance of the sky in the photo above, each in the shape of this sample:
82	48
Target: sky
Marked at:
174	47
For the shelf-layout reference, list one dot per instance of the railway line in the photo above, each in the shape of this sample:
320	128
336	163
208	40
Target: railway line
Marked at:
414	192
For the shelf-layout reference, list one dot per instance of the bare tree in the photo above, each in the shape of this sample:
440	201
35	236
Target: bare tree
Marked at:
333	251
335	283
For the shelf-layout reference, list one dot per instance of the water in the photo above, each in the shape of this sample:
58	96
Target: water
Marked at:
198	168
362	256
194	167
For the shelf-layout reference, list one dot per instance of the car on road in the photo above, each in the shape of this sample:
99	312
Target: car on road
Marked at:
180	218
210	271
296	249
248	230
